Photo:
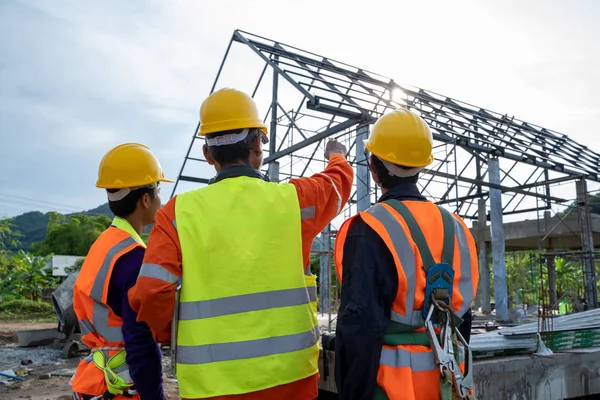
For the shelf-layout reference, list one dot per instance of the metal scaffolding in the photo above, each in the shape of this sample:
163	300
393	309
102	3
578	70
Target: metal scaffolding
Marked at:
308	98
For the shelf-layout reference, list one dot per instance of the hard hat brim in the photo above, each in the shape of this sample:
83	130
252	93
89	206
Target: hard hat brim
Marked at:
389	159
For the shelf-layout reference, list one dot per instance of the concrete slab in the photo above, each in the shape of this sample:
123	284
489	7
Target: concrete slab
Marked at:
37	337
561	234
565	375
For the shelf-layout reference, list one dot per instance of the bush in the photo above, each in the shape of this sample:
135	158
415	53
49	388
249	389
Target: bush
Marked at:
26	309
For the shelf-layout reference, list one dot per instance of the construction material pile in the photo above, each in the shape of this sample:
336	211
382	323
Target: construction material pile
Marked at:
567	332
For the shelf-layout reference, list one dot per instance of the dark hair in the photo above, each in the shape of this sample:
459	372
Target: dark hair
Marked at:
231	153
126	206
389	181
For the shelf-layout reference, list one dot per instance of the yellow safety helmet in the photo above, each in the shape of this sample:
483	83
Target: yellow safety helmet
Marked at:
229	109
403	138
129	165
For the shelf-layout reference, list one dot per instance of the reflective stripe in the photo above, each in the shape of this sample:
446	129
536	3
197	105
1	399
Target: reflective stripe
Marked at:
86	326
158	272
174	224
100	311
100	318
312	293
339	202
308	212
245	303
465	284
248	349
120	368
98	288
125	375
398	358
405	253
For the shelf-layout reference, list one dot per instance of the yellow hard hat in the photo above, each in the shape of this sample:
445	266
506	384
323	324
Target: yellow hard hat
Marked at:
229	109
129	165
403	138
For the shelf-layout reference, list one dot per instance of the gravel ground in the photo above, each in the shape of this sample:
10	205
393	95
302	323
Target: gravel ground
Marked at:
12	355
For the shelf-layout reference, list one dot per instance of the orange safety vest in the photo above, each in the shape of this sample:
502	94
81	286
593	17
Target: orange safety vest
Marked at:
408	371
100	327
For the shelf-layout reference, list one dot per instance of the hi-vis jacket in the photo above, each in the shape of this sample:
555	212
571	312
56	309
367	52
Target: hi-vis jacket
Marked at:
100	326
407	367
319	199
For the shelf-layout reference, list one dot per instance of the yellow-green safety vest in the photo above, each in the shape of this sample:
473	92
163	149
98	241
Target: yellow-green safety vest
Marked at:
246	319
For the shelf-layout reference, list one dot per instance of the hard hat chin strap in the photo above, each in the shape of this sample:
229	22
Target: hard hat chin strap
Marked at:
395	170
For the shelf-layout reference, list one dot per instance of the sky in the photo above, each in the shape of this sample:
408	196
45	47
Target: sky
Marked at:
77	78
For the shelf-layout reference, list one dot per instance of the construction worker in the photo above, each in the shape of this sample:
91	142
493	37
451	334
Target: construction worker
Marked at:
246	325
390	259
123	351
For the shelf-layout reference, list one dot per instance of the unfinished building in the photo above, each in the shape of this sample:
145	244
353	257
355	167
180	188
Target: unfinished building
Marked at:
522	186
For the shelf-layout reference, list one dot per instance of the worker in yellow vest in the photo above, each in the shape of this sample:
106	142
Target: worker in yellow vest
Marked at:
246	325
406	265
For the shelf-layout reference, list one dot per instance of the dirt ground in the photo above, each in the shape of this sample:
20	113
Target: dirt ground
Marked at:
48	374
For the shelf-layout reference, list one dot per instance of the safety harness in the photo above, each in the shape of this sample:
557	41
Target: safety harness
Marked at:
115	370
436	311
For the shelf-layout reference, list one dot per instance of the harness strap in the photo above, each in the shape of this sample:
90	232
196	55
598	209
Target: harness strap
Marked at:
111	367
419	238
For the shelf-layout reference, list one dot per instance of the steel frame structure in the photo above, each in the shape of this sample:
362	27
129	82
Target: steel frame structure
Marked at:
309	98
337	99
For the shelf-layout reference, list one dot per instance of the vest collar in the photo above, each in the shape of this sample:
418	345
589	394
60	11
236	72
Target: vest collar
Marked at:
124	225
404	191
238	170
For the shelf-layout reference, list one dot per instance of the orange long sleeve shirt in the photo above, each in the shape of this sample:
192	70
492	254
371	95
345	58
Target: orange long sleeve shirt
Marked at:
326	193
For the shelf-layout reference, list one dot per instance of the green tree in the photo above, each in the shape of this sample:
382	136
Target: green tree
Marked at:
71	236
26	277
9	237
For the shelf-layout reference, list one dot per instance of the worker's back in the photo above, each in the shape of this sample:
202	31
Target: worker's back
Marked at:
407	367
245	319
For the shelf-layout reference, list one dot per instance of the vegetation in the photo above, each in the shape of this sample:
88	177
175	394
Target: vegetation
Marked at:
24	276
17	310
29	240
70	236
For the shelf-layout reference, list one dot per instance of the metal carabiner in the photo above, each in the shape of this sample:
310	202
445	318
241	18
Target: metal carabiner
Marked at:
442	349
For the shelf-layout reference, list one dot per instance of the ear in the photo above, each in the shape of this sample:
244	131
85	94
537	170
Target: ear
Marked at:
145	200
207	156
373	171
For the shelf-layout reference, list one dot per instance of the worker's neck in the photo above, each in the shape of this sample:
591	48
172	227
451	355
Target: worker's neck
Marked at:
384	190
233	164
137	223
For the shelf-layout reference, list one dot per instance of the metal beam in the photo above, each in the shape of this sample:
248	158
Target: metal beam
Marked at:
313	139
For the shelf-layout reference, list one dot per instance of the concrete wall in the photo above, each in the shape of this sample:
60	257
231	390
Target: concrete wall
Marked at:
564	375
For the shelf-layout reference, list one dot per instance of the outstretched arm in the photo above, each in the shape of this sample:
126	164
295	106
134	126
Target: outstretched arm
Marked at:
153	295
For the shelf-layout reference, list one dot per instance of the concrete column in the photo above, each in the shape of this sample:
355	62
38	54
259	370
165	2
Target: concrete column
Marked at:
324	271
363	175
273	171
551	266
498	244
484	268
587	246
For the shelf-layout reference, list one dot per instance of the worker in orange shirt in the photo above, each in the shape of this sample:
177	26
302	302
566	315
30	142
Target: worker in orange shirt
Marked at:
245	326
406	265
125	361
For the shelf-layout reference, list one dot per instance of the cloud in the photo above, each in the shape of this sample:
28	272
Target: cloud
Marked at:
77	78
